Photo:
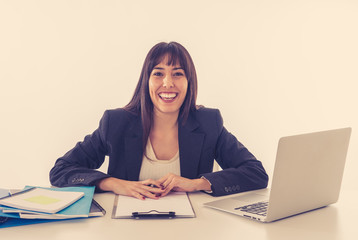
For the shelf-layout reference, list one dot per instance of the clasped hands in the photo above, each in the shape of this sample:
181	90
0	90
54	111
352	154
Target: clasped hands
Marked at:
153	189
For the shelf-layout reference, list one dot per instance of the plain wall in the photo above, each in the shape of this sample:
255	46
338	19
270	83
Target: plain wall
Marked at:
273	68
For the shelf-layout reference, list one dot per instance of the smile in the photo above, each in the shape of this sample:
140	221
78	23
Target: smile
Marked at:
168	96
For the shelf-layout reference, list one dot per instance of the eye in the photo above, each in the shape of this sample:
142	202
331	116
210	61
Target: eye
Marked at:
179	74
158	74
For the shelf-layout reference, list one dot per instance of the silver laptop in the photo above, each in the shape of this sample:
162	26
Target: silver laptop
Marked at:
308	174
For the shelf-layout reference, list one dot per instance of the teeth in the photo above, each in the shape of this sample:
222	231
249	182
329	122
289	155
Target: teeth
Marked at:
167	95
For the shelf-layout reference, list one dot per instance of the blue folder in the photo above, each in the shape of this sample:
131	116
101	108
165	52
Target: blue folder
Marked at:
80	207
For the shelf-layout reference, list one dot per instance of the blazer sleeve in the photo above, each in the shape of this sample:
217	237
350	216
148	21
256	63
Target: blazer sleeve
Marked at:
241	170
77	167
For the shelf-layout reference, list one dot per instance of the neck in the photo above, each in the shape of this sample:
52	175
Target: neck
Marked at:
164	120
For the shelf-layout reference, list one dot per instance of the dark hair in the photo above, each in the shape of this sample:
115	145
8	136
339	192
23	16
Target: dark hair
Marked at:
141	102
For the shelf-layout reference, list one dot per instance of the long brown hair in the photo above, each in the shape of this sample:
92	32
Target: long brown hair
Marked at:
141	102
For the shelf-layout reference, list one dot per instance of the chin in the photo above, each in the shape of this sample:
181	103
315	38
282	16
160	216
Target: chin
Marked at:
168	110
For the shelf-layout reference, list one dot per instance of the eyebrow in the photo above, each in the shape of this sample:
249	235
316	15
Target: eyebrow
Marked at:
178	68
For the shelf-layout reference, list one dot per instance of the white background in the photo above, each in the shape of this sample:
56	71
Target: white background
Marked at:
273	68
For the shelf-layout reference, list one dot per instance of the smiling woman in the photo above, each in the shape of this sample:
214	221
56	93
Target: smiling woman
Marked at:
162	58
162	138
167	87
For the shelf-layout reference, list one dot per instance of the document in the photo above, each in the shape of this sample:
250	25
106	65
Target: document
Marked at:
79	209
83	208
41	200
176	203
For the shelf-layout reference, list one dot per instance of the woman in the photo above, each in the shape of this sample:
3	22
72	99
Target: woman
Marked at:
162	141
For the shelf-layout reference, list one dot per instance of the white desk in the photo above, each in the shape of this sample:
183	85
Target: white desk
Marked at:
333	222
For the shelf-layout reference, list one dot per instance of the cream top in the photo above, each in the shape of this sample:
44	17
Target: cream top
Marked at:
154	168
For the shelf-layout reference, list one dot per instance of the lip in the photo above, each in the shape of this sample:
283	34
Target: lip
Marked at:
168	97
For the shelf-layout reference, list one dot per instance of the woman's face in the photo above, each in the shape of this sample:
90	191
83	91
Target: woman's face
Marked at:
167	87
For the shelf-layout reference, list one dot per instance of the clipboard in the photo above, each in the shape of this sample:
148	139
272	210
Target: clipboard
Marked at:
174	205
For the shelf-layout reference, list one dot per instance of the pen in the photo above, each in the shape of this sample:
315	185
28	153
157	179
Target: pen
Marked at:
18	193
3	219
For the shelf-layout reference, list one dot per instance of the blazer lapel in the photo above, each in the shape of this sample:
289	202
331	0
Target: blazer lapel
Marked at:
133	150
190	146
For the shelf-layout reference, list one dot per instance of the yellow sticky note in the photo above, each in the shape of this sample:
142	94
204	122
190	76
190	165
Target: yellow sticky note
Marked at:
43	200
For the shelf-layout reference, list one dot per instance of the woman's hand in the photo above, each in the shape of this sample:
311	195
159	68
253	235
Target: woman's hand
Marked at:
172	182
137	189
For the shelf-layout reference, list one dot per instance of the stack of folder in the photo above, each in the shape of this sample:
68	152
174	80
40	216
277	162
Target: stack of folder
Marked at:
37	205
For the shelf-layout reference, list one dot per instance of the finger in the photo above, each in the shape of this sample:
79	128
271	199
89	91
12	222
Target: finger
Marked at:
165	193
168	189
152	183
147	182
167	182
158	184
166	177
138	195
163	179
153	189
147	194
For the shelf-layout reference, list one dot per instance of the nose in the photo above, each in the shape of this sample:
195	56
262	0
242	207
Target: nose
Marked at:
168	82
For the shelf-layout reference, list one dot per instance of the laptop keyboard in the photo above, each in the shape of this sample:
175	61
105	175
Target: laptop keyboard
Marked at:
259	208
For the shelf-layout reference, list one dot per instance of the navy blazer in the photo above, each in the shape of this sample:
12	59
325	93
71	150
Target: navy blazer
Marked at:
202	138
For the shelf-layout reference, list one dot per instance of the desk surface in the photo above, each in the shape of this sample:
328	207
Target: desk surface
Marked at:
332	222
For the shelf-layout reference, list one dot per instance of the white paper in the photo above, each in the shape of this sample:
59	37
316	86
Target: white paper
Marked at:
177	202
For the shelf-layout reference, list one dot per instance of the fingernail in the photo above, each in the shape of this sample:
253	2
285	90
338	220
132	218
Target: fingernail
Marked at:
158	194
